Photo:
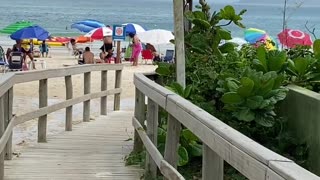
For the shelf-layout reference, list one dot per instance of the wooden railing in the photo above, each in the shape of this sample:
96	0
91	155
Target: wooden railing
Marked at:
220	141
7	82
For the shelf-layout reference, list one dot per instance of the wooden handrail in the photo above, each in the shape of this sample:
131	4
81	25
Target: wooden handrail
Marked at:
221	142
7	81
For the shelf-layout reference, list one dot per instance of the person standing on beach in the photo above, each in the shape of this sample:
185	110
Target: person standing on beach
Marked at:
136	48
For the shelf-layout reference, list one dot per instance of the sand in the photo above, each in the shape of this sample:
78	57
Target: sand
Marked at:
26	96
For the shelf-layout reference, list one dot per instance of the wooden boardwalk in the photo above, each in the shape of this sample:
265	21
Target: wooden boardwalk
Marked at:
93	150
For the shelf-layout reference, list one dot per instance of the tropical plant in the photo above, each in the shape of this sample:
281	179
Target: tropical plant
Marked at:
253	98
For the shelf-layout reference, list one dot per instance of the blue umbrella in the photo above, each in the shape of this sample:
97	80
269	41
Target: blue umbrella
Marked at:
31	32
133	28
87	25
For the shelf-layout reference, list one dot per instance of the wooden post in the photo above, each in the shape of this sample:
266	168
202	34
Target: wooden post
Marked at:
118	60
2	120
172	141
152	132
86	104
178	6
9	106
104	87
69	95
116	106
212	165
139	113
43	102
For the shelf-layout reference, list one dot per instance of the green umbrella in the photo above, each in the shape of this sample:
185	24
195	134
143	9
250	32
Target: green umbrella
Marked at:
16	26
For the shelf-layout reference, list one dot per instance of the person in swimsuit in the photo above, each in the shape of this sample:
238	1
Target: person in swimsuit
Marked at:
136	48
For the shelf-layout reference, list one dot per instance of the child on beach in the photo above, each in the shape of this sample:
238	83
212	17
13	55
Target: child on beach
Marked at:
136	48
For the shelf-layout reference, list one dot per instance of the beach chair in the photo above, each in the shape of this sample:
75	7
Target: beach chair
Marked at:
3	61
16	61
147	55
169	57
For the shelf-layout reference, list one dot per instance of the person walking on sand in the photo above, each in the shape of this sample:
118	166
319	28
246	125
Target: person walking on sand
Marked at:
136	48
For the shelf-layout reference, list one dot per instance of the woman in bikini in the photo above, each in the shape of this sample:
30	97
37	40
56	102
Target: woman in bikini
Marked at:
136	48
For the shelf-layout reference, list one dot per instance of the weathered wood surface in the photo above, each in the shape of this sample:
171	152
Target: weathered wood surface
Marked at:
69	95
250	158
93	150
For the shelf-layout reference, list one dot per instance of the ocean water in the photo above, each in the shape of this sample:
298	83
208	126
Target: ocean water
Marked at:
57	15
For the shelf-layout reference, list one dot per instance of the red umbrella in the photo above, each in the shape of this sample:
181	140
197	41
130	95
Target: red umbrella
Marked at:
99	33
290	38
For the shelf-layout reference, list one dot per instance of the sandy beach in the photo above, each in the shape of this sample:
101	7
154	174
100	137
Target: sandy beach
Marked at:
26	95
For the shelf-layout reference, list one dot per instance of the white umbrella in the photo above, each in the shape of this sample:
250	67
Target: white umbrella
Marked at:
156	36
99	33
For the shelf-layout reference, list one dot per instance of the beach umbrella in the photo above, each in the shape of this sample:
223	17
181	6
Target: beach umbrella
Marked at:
156	36
99	33
133	28
291	38
87	25
253	35
16	26
31	32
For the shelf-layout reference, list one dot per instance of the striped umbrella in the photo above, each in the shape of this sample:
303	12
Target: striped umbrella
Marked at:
253	35
133	28
12	28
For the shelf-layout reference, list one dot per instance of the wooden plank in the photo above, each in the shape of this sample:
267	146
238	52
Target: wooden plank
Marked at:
43	102
152	90
2	112
152	132
49	109
104	86
9	105
118	59
7	135
86	104
178	8
117	85
6	82
290	170
139	114
69	109
271	175
172	141
28	76
94	150
150	147
212	165
170	172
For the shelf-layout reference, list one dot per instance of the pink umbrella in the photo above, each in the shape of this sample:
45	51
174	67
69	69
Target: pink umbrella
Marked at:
99	33
291	38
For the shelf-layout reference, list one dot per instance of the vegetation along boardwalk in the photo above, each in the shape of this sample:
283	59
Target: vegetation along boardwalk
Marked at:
93	150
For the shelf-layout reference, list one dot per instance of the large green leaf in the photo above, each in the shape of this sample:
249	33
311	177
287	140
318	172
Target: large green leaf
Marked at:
189	136
232	86
245	115
228	13
262	57
254	102
227	47
224	34
267	121
202	23
246	87
316	47
266	87
194	149
276	60
187	91
301	65
199	15
183	156
231	98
